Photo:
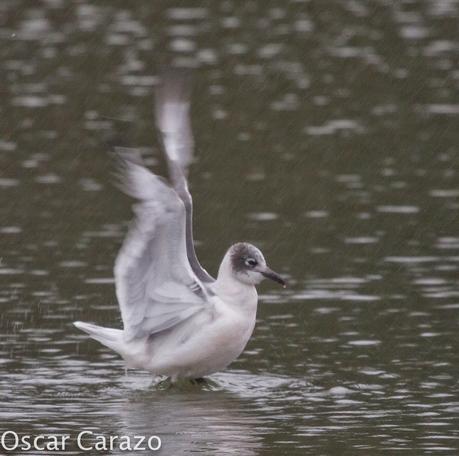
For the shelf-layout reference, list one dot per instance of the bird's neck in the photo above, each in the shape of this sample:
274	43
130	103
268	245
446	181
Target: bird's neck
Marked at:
233	291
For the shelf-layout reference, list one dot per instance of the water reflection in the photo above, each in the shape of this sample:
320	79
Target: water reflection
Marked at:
188	422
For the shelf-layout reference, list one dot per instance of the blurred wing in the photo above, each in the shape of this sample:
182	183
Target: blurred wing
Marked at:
155	285
172	112
172	109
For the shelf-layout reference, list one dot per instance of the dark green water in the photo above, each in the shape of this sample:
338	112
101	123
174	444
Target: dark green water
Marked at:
327	134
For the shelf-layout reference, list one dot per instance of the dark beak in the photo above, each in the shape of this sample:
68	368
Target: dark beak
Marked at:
270	274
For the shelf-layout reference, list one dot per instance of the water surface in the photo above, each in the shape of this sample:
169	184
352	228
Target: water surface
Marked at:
326	134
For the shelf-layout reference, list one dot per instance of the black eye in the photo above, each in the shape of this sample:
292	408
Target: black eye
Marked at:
251	262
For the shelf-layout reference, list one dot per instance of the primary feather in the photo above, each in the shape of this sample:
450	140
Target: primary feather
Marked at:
172	114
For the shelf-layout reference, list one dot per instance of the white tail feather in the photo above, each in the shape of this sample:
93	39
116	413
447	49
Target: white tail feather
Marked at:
110	337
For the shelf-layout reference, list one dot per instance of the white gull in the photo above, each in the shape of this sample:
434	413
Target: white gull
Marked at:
178	320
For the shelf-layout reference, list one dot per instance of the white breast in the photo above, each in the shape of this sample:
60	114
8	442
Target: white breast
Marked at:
207	342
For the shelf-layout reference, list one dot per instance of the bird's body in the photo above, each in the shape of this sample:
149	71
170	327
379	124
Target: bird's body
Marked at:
178	320
206	343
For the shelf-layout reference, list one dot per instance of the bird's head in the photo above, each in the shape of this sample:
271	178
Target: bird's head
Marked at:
248	265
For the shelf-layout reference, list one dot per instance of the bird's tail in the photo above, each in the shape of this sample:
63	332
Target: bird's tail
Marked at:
110	337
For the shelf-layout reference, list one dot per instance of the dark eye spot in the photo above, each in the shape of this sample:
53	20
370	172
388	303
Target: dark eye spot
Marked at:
251	262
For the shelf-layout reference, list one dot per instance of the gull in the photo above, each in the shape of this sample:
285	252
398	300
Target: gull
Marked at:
178	321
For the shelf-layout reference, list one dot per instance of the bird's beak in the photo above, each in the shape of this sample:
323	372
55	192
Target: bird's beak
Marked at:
270	274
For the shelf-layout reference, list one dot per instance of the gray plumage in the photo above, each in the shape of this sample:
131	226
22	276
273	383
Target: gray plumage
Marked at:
172	107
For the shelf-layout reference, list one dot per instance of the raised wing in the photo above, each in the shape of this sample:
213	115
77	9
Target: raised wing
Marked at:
172	108
172	113
155	285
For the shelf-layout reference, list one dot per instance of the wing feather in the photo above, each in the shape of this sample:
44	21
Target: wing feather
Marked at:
155	284
172	113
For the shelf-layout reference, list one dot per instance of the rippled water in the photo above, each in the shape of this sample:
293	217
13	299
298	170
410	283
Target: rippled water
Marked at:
327	135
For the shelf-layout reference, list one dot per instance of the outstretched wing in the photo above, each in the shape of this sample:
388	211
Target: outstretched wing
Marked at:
155	285
172	108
